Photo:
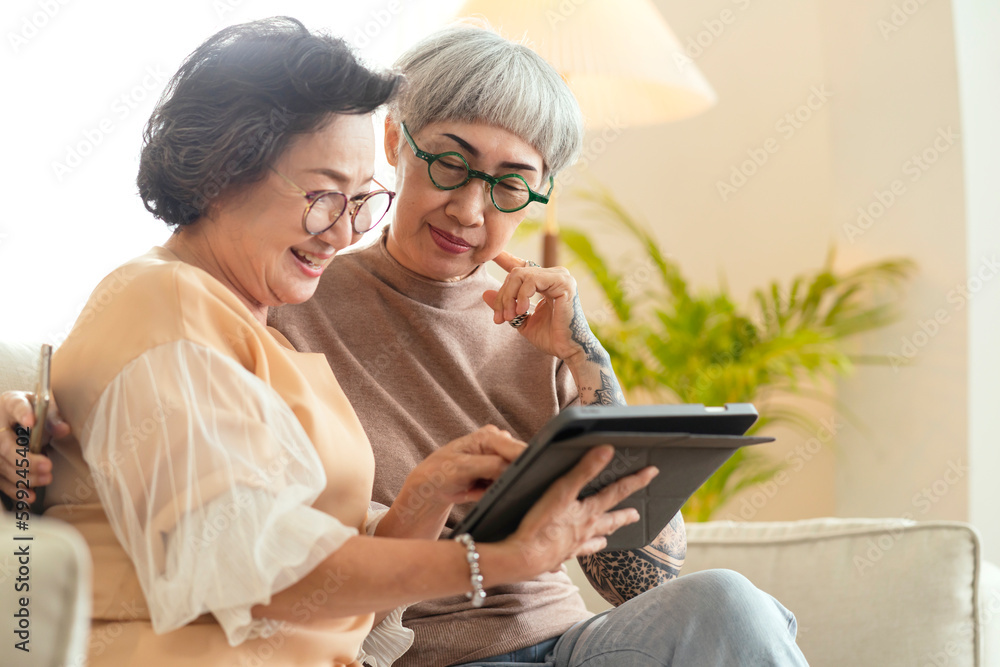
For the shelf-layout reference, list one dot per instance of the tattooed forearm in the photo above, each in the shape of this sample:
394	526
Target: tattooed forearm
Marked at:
593	372
582	335
621	575
609	393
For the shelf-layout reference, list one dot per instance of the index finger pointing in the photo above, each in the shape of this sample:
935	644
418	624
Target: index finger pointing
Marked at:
508	262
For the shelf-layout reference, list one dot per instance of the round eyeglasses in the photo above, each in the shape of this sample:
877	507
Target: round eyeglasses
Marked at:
449	171
325	207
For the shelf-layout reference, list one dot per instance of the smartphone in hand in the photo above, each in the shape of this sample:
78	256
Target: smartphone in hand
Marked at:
43	394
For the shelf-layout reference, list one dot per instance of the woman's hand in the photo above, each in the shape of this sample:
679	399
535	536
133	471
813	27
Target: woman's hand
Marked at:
458	472
559	526
375	574
17	407
558	325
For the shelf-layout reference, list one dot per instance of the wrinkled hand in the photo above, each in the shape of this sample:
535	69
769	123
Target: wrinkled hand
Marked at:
460	471
17	407
559	526
557	326
457	473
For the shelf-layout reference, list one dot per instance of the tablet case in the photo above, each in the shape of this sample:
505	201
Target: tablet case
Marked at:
686	442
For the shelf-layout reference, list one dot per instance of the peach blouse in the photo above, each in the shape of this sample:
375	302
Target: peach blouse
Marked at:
210	467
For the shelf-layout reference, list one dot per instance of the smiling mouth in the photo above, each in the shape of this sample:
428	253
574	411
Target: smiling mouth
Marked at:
312	261
447	242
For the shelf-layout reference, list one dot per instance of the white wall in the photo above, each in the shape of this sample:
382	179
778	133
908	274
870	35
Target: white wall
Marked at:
79	81
977	24
893	88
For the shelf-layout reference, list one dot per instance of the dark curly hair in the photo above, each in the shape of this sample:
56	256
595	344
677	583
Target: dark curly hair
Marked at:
235	104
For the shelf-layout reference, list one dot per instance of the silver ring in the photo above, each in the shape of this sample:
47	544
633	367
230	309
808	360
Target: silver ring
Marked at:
519	321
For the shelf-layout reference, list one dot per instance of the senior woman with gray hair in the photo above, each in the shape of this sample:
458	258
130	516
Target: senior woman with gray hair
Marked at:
421	345
416	333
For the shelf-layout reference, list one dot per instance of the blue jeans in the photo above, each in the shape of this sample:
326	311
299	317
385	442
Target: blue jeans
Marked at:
715	617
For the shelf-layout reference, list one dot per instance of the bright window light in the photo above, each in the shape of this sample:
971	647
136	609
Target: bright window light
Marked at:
80	80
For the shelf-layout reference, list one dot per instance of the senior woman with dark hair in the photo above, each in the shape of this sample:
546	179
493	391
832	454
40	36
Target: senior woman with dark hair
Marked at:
220	478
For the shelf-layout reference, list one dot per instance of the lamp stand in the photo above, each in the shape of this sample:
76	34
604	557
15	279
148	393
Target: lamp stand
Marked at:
550	240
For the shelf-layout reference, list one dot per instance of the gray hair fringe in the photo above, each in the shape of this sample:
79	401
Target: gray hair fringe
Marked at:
470	74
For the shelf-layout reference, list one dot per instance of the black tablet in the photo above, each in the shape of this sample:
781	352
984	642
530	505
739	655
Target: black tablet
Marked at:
686	442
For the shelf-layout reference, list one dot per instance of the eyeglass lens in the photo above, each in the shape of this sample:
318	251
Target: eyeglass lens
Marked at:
328	209
450	171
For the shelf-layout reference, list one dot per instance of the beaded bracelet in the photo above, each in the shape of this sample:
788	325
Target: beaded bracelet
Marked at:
477	594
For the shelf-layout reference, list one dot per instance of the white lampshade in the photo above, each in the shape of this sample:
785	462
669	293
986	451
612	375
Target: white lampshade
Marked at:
620	58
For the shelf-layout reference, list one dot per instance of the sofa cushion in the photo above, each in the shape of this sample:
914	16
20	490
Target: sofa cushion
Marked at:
865	591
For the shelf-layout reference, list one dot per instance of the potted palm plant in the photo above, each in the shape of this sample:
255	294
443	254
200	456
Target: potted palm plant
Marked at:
671	343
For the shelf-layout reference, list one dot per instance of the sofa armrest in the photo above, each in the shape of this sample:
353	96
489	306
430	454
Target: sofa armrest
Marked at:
865	591
989	612
46	598
18	366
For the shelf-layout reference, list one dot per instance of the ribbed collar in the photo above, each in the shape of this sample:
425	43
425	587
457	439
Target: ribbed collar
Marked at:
448	295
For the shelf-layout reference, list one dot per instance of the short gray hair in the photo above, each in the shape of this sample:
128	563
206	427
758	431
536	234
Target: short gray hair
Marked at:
470	74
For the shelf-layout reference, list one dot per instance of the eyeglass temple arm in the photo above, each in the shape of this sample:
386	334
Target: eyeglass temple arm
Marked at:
287	180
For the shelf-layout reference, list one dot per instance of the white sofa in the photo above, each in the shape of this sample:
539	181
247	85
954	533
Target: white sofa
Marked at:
866	592
46	596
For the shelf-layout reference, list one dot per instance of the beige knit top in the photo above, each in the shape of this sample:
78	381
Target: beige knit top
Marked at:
423	363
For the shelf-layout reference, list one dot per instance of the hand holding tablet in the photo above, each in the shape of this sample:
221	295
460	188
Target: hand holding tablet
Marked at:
687	443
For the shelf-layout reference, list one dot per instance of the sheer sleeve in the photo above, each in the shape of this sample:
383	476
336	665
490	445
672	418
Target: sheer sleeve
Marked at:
376	512
207	477
388	640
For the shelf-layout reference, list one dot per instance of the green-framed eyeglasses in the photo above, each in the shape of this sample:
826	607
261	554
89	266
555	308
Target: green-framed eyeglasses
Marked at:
449	171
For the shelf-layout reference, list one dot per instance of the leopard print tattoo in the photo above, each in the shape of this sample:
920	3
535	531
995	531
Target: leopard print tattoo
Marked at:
621	575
